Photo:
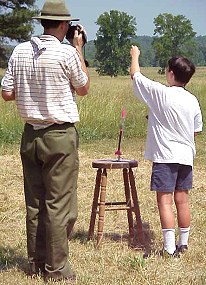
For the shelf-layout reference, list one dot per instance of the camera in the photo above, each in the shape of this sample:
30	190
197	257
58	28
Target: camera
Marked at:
72	29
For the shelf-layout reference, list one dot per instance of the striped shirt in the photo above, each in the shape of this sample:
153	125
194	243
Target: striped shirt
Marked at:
44	72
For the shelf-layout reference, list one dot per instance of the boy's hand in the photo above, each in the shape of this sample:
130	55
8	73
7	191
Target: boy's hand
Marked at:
134	51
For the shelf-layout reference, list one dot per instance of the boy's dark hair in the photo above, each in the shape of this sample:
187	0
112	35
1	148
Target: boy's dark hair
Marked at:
50	23
182	68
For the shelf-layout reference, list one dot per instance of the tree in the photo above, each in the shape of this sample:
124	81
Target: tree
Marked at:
15	23
147	57
201	47
174	36
113	42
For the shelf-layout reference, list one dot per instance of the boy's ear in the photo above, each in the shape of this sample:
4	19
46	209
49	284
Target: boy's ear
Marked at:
171	74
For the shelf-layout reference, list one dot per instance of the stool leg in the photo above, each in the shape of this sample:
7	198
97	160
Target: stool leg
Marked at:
128	201
136	206
94	205
102	207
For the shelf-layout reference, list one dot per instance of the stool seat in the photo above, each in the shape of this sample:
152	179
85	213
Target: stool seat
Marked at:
99	205
114	164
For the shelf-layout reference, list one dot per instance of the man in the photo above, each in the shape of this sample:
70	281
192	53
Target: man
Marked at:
42	77
174	120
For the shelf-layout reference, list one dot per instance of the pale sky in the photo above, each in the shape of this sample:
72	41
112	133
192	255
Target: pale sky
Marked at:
143	11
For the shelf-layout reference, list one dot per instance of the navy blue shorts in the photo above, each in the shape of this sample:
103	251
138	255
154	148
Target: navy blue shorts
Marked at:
168	177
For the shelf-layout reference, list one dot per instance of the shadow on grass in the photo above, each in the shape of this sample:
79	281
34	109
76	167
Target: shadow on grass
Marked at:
136	244
10	258
79	235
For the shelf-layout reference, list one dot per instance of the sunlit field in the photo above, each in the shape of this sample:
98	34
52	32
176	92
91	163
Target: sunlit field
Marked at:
116	262
100	111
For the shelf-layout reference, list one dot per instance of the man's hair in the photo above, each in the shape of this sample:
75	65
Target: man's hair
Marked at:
182	68
47	24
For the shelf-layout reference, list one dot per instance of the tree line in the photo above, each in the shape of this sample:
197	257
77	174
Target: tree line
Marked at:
173	35
109	52
148	57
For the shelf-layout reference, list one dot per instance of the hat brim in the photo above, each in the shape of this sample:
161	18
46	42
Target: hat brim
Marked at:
55	18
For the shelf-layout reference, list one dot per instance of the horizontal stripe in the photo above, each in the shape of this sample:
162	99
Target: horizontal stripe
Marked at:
43	84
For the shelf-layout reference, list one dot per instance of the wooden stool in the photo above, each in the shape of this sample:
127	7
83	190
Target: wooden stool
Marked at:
100	205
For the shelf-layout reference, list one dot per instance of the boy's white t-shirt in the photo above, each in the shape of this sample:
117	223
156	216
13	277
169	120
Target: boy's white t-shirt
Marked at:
174	116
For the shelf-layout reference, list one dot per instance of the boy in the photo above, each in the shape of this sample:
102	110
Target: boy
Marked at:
173	121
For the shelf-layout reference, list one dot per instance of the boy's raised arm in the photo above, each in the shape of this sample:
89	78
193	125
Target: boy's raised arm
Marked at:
134	53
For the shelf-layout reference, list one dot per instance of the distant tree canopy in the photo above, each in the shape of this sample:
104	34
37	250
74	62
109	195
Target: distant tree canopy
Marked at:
15	23
199	57
148	57
174	36
113	42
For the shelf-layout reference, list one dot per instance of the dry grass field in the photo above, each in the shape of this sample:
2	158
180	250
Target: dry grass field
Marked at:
116	262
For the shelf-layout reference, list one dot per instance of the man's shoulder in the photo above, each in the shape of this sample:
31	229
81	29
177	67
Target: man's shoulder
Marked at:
68	48
22	45
21	48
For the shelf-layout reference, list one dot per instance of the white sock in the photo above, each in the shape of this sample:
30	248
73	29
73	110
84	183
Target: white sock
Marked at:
169	240
183	236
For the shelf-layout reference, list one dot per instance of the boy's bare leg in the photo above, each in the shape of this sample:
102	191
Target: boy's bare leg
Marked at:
164	201
183	211
183	217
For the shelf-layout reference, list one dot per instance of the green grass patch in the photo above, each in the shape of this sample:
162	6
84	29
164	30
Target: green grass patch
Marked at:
115	263
100	111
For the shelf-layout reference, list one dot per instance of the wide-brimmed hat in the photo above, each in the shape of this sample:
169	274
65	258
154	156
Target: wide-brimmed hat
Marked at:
55	10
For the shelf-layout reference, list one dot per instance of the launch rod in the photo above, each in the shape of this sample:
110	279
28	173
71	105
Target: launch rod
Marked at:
118	151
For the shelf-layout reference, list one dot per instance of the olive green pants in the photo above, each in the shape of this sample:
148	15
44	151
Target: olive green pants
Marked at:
50	168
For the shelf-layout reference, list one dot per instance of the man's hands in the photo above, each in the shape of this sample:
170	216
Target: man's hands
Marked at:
77	36
8	95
